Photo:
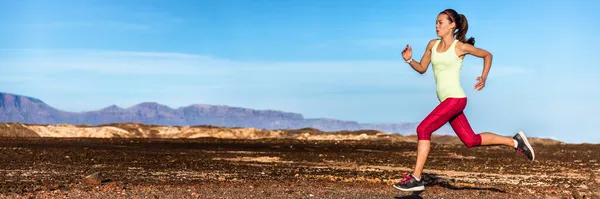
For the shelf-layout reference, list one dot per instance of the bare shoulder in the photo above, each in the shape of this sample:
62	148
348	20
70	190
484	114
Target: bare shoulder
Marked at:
431	44
462	46
466	48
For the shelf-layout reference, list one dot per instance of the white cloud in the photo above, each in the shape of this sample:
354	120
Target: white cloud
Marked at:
497	70
15	79
157	63
176	79
417	43
113	62
504	71
96	24
193	69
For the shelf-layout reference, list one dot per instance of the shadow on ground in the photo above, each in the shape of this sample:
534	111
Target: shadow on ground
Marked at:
432	180
414	195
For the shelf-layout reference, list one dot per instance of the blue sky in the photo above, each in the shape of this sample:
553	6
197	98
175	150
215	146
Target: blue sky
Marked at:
333	59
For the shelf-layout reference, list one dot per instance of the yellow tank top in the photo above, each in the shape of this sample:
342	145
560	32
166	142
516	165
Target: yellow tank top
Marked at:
446	71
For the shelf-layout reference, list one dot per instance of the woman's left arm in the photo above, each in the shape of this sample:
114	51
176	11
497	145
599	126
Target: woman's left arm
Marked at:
487	62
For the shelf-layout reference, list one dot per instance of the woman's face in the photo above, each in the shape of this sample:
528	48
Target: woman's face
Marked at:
443	26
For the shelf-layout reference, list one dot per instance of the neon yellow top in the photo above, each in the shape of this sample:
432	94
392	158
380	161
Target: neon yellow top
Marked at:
446	70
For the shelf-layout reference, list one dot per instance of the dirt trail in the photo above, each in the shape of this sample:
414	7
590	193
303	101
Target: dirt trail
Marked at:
285	168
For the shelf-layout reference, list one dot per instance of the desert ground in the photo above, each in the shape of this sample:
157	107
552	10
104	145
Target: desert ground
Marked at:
145	161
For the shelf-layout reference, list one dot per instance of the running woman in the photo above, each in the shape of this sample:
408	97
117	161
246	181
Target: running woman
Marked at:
446	55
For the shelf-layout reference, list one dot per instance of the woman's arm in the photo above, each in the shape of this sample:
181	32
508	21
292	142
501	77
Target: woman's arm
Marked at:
420	67
487	62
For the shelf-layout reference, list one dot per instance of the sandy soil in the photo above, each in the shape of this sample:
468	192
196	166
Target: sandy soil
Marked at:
285	168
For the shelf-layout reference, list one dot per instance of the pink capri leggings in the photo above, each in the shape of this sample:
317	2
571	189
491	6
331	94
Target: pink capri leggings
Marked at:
449	110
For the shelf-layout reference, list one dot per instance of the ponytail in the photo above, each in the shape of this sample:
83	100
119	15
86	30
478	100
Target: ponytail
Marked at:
463	27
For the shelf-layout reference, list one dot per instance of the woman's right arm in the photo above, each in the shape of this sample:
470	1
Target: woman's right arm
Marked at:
421	67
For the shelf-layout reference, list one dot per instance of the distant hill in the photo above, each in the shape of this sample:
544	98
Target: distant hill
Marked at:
135	130
29	110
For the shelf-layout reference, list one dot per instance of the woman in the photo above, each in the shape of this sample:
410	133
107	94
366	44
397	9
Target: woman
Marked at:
446	55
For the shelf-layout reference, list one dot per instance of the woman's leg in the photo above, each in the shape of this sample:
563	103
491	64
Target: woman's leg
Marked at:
461	126
436	119
463	130
488	139
442	114
423	148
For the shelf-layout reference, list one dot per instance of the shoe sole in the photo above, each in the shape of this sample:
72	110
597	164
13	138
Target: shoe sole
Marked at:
527	144
419	188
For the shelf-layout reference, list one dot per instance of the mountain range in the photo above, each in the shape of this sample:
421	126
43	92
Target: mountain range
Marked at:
30	110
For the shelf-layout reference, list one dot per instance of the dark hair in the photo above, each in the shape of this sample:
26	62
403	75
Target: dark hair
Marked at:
462	25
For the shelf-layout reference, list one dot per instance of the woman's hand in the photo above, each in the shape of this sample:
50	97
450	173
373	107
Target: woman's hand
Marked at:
407	53
480	83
